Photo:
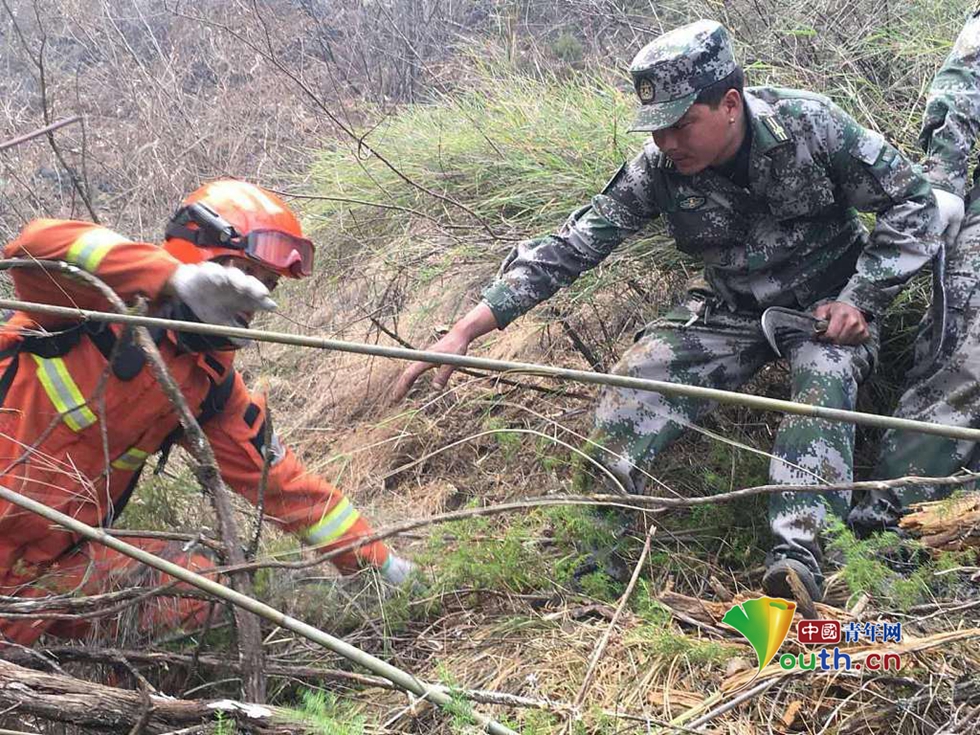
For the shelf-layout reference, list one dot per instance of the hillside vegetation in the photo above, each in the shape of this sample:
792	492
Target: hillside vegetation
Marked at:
421	141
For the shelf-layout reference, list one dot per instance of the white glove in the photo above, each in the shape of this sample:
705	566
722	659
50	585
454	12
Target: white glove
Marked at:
951	211
396	571
217	294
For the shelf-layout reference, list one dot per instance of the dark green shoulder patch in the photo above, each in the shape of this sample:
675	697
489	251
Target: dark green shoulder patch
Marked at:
776	128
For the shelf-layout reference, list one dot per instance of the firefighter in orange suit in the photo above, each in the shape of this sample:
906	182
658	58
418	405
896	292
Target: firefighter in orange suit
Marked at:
82	411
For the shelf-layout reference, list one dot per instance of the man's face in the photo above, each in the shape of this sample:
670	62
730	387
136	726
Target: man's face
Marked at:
269	278
703	137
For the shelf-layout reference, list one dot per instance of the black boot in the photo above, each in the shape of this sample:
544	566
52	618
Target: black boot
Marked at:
777	582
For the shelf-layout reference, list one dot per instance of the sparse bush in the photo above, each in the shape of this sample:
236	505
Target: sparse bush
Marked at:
870	566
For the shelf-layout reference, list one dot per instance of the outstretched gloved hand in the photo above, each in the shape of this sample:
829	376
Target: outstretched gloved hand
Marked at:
397	570
951	211
218	294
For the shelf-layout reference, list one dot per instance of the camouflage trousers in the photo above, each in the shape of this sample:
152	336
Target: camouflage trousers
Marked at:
724	350
947	393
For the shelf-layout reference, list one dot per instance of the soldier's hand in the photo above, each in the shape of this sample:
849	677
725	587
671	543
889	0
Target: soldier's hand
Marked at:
951	211
476	323
452	343
846	324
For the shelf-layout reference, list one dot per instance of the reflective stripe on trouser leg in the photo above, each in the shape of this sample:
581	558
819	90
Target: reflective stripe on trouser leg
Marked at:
334	524
130	460
374	554
63	392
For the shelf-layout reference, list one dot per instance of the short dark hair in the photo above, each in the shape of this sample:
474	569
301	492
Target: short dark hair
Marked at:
714	92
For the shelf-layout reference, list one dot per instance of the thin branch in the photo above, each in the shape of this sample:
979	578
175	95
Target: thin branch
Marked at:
270	56
267	435
732	704
643	503
42	75
366	203
601	648
484	376
39	132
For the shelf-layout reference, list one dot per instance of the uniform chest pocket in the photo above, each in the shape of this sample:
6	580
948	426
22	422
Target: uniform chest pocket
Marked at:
699	222
803	192
962	293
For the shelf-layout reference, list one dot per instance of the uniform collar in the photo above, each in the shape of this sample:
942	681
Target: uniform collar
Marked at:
767	131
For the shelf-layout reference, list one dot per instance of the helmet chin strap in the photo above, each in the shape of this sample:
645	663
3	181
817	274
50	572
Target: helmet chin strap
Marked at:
190	341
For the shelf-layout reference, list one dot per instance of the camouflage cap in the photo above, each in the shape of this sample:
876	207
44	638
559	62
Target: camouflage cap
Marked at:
669	72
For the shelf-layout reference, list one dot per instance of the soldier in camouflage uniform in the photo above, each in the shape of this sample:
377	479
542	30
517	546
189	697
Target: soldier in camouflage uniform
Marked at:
762	184
948	391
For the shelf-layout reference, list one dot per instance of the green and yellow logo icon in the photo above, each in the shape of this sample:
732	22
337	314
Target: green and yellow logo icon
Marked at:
764	622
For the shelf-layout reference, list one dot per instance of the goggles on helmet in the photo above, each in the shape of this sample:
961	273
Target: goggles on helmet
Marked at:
278	249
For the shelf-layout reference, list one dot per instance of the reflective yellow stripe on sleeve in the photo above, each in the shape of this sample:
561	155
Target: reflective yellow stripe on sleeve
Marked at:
333	525
130	460
63	392
90	248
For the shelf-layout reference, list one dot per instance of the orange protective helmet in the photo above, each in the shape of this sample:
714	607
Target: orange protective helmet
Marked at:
234	218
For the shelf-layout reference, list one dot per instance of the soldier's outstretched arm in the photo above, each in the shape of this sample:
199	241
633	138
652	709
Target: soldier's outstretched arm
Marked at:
535	269
873	176
951	123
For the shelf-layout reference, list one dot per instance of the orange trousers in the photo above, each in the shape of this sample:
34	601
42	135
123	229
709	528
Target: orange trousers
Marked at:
95	569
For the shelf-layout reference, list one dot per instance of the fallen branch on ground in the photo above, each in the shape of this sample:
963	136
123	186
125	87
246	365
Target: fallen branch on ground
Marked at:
107	709
644	503
946	525
402	678
291	671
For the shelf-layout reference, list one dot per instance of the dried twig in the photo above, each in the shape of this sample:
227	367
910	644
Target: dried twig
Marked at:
643	503
208	474
484	376
39	132
289	670
731	704
604	641
593	361
107	709
267	434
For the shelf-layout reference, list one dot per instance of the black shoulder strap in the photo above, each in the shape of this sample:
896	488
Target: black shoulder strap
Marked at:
13	352
7	379
213	404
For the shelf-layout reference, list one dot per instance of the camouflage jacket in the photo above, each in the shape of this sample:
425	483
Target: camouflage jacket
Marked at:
792	238
952	118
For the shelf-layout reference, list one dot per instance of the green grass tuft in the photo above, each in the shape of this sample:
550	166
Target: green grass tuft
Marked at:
323	713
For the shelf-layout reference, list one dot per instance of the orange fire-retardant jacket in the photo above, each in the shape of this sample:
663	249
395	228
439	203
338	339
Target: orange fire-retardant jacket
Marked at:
73	433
